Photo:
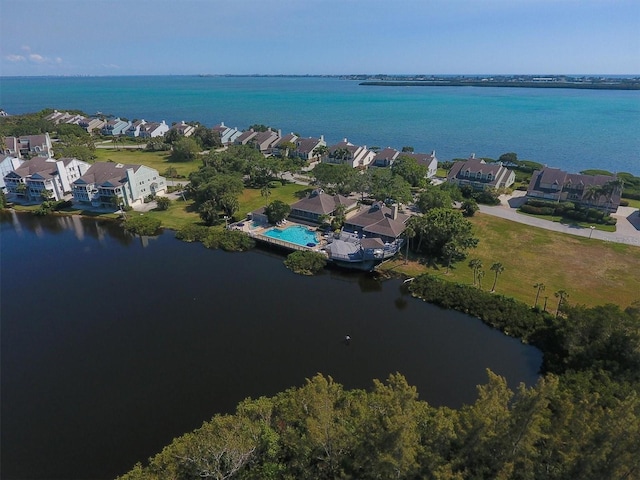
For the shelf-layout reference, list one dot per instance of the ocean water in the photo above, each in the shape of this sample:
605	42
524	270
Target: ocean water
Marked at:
570	129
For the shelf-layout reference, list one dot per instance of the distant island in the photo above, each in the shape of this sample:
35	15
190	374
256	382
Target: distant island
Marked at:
522	81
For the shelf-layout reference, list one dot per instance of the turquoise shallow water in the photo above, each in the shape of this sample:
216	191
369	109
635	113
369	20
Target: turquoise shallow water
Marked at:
571	129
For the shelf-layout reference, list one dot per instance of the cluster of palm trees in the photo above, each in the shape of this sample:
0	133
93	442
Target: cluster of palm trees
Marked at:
595	193
478	274
561	295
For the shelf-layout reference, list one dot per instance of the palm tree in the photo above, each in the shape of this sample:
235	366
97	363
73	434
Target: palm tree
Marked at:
592	192
480	276
476	265
562	296
265	192
498	268
341	154
540	286
409	233
320	151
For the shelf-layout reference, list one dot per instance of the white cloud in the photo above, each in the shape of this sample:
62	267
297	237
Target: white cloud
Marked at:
34	57
15	58
111	65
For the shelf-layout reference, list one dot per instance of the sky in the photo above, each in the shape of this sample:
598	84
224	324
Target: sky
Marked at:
329	37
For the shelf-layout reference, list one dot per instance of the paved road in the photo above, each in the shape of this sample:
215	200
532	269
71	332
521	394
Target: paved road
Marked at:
627	228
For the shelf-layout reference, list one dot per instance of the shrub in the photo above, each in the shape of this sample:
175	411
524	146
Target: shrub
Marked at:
192	233
486	197
275	184
624	203
142	225
228	240
305	262
163	203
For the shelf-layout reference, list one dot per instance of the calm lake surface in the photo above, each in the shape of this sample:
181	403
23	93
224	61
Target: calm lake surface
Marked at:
565	128
112	346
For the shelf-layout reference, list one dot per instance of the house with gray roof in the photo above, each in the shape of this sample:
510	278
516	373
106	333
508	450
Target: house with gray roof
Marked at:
39	174
28	146
385	157
318	204
245	137
481	175
306	148
264	141
345	152
106	183
377	221
228	135
428	160
592	191
115	127
184	129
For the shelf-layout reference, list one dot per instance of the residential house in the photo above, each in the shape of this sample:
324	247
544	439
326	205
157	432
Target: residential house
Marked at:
106	181
306	148
480	175
319	204
153	129
290	138
589	190
377	221
385	157
228	135
428	160
115	127
63	117
92	125
264	141
245	137
134	128
39	174
347	153
183	129
28	146
8	163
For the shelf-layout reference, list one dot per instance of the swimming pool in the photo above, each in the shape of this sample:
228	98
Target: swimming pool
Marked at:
294	234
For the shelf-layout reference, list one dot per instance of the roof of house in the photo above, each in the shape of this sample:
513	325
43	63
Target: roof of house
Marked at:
306	145
386	154
320	203
106	172
43	166
421	158
378	219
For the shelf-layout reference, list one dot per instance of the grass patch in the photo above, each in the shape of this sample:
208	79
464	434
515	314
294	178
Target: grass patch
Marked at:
593	272
633	202
570	221
251	199
178	215
157	160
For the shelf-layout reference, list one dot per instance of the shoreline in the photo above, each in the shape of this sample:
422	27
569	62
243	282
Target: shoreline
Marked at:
476	83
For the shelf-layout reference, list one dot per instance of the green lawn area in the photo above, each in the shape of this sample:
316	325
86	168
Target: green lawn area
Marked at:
569	221
179	214
157	160
593	272
251	199
633	203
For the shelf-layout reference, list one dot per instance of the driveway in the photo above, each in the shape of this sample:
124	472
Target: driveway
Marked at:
627	228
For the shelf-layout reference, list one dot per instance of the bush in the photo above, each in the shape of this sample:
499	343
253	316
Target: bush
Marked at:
192	233
229	240
163	203
142	225
486	197
305	262
275	184
624	203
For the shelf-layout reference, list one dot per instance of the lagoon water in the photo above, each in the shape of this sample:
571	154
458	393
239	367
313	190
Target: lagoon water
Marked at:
569	129
112	346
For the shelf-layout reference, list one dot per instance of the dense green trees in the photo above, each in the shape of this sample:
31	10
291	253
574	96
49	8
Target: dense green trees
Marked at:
277	211
141	225
305	262
185	149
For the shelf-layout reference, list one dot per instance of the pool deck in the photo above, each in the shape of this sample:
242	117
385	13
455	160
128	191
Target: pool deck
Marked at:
257	232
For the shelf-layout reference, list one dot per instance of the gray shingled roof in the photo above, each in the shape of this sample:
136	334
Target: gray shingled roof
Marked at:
106	172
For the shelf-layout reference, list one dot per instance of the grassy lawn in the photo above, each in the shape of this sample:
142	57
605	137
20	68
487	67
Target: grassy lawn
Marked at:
157	160
593	272
251	199
569	221
179	214
633	203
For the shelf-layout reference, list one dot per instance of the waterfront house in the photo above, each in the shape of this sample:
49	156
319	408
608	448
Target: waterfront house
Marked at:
184	129
290	138
8	163
91	125
245	137
153	129
106	184
64	117
480	175
428	160
134	128
28	146
319	204
377	221
306	148
347	153
595	191
264	141
115	127
385	157
39	174
227	135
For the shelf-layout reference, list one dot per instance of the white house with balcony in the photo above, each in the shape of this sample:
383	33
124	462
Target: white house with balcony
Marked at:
39	174
8	163
107	184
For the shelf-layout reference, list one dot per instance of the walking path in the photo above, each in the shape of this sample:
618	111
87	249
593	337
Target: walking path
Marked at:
627	228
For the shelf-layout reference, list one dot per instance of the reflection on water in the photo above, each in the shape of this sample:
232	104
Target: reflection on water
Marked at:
128	347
